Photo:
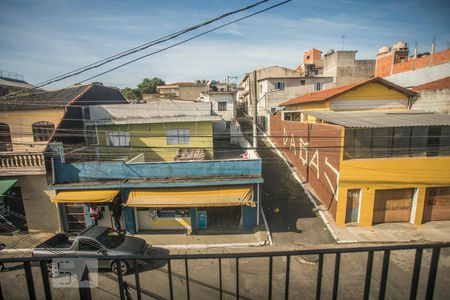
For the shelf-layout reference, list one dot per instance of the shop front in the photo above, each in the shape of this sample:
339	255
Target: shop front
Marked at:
74	208
193	208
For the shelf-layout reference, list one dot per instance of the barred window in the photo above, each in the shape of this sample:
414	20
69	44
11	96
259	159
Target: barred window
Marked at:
178	136
42	131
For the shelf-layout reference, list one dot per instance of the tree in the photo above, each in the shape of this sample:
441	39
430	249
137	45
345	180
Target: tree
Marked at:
148	85
131	94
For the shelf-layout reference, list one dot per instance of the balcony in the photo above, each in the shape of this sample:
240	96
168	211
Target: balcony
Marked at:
26	163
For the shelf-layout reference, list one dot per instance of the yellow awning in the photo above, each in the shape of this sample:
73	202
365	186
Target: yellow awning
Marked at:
192	197
93	196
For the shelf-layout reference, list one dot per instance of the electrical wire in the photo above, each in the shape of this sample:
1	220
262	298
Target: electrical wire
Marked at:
139	48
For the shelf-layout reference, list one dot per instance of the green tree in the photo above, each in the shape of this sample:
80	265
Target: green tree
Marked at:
131	94
148	85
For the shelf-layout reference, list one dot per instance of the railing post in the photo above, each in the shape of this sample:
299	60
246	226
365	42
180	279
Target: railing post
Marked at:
368	274
288	270
270	276
186	267
433	271
169	269
237	277
384	274
319	277
136	279
30	283
120	279
416	274
45	281
337	265
220	277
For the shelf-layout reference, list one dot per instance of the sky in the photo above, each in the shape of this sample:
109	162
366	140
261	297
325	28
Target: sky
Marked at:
42	39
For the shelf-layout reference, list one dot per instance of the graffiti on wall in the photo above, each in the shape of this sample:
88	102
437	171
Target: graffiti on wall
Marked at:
301	150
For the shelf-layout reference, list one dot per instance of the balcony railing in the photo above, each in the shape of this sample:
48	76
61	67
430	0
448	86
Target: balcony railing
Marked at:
364	271
22	163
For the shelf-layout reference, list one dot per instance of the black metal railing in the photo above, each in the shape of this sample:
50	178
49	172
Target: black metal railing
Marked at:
186	261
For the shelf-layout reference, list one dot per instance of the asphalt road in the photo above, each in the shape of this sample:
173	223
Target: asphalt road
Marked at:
288	210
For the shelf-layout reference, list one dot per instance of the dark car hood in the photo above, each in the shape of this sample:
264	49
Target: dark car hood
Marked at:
132	245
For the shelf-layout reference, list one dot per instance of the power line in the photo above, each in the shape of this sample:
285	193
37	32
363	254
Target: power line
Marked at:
185	41
139	48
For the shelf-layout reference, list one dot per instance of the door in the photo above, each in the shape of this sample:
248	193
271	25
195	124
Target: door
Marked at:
437	204
76	217
353	201
393	205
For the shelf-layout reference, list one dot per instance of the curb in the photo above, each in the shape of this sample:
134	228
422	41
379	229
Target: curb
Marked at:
207	246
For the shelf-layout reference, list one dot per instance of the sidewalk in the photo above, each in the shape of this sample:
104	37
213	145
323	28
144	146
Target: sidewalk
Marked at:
23	242
436	231
203	241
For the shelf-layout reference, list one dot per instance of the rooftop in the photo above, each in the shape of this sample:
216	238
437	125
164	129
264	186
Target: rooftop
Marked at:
329	94
440	84
380	119
44	99
158	111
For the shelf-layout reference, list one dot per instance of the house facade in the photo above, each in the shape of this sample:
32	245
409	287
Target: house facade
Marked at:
365	156
28	124
223	104
172	175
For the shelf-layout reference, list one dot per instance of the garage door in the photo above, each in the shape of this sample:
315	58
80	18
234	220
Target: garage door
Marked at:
437	204
393	205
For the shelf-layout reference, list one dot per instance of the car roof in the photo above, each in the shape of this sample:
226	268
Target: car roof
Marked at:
93	231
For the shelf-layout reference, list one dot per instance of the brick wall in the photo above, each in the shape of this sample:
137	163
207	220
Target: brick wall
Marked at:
383	66
324	141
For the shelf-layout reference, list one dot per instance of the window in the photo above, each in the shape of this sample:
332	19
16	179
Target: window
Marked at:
302	82
88	245
279	85
397	142
400	141
118	138
222	106
318	86
178	136
42	131
5	138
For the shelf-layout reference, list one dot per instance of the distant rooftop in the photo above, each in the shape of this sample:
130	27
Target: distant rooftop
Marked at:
380	119
440	84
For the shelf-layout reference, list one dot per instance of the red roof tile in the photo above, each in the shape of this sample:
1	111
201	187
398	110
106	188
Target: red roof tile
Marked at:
329	94
440	84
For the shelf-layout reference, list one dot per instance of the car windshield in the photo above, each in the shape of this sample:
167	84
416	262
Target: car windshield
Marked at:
110	238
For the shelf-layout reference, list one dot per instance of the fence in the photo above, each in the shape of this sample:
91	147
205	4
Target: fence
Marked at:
427	280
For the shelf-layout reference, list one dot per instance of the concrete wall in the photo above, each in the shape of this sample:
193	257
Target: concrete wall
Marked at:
433	100
91	171
420	76
41	214
192	92
343	66
151	139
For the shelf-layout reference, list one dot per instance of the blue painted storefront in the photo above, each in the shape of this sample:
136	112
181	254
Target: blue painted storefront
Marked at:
91	175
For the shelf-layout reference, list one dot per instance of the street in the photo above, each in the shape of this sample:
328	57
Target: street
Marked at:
288	210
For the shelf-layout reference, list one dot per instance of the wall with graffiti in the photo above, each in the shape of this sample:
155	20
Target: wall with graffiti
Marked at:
315	151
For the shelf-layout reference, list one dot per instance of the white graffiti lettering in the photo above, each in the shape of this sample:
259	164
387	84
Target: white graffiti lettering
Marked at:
285	137
303	148
292	145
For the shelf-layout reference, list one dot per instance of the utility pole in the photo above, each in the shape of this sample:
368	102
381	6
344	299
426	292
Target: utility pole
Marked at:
255	99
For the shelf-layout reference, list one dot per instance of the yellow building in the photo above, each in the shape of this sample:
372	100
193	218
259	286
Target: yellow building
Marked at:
366	156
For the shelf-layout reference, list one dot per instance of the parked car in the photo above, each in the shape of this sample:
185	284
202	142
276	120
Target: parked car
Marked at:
94	240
